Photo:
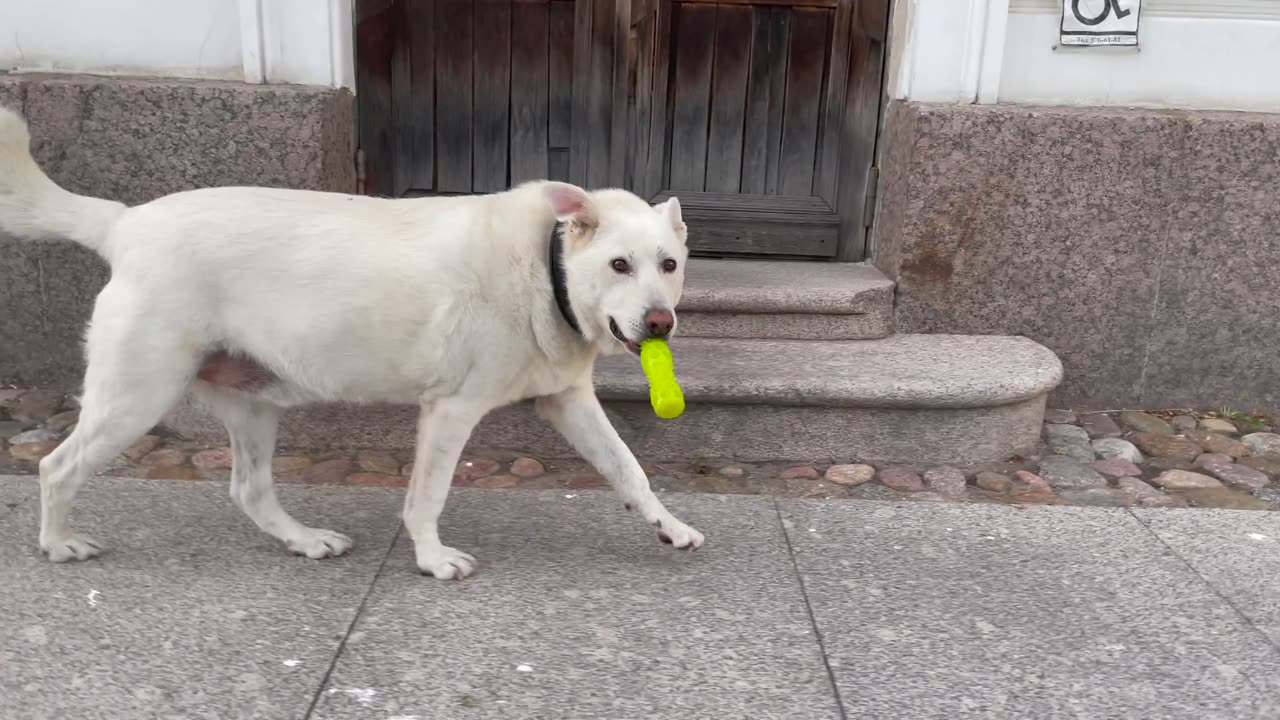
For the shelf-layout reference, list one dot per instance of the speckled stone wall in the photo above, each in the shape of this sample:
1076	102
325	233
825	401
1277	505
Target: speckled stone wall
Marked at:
133	140
1142	246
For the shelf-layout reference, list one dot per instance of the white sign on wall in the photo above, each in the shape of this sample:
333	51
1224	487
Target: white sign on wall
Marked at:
1100	22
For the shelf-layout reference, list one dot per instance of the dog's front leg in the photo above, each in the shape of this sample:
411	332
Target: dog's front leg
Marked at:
576	413
443	429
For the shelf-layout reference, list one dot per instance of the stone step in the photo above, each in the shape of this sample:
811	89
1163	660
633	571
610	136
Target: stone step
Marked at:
906	398
785	300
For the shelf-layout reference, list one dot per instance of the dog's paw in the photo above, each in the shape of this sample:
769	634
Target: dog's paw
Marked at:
318	543
74	547
446	563
678	535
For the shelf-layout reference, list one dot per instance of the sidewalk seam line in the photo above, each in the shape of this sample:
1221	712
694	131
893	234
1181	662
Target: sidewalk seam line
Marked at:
342	644
1266	639
808	606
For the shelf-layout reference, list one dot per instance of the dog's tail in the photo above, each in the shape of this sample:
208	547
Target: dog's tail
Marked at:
32	207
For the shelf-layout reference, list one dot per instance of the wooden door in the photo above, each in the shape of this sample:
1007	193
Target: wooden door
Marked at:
761	116
464	96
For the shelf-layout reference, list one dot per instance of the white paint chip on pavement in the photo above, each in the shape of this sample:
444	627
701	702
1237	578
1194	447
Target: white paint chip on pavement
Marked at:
364	696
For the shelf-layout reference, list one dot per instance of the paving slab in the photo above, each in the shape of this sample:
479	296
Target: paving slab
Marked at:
966	611
18	491
190	612
1238	553
578	612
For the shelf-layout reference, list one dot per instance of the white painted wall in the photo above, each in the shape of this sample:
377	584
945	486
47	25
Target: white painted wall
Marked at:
305	42
190	38
1193	54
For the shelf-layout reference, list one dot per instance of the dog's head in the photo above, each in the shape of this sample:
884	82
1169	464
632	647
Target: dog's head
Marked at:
624	263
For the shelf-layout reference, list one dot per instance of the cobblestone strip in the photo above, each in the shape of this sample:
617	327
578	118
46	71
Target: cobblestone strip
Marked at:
1120	459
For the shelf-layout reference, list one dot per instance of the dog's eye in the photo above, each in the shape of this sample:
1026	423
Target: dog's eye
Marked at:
669	265
620	265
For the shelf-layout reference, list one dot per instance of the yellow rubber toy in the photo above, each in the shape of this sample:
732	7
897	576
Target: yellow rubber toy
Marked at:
664	392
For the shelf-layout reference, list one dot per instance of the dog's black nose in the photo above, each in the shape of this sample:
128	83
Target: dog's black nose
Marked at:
659	322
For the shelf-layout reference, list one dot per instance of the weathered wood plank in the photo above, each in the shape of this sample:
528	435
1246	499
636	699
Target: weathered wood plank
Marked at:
529	92
419	31
642	103
758	224
872	19
787	3
401	98
600	100
640	10
621	104
632	146
742	237
779	49
831	125
454	73
756	111
558	164
580	118
694	26
659	148
738	203
374	41
492	61
858	146
728	98
806	61
560	83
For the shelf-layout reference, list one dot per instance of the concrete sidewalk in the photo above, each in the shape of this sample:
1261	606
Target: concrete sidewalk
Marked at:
794	609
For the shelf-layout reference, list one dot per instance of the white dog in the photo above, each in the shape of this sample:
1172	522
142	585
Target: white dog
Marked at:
259	299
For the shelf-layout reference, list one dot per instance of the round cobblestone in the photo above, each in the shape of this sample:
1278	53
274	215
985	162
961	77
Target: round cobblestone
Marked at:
902	479
210	459
800	472
994	482
850	475
526	467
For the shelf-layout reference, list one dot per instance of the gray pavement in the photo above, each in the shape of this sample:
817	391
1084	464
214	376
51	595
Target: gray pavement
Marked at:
794	609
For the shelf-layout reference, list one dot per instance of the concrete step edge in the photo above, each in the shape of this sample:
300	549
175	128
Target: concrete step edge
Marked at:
900	371
785	326
785	287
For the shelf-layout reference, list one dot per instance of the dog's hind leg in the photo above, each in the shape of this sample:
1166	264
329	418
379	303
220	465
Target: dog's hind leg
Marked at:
252	426
138	368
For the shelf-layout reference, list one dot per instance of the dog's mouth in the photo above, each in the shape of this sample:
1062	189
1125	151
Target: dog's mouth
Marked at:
630	345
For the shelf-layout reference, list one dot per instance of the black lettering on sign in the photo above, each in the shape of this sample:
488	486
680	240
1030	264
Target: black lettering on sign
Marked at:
1108	6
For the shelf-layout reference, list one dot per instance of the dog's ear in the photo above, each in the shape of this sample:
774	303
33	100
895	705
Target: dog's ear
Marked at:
571	204
671	211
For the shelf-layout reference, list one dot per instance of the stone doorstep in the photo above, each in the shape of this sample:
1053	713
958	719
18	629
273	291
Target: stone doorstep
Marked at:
785	300
748	433
907	398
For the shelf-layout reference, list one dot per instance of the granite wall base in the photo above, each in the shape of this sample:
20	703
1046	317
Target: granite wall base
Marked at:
1141	246
133	140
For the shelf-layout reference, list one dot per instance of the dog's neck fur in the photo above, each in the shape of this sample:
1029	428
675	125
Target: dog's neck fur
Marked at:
560	283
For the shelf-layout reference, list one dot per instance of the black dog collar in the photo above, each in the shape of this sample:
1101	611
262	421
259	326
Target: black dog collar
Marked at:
559	284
